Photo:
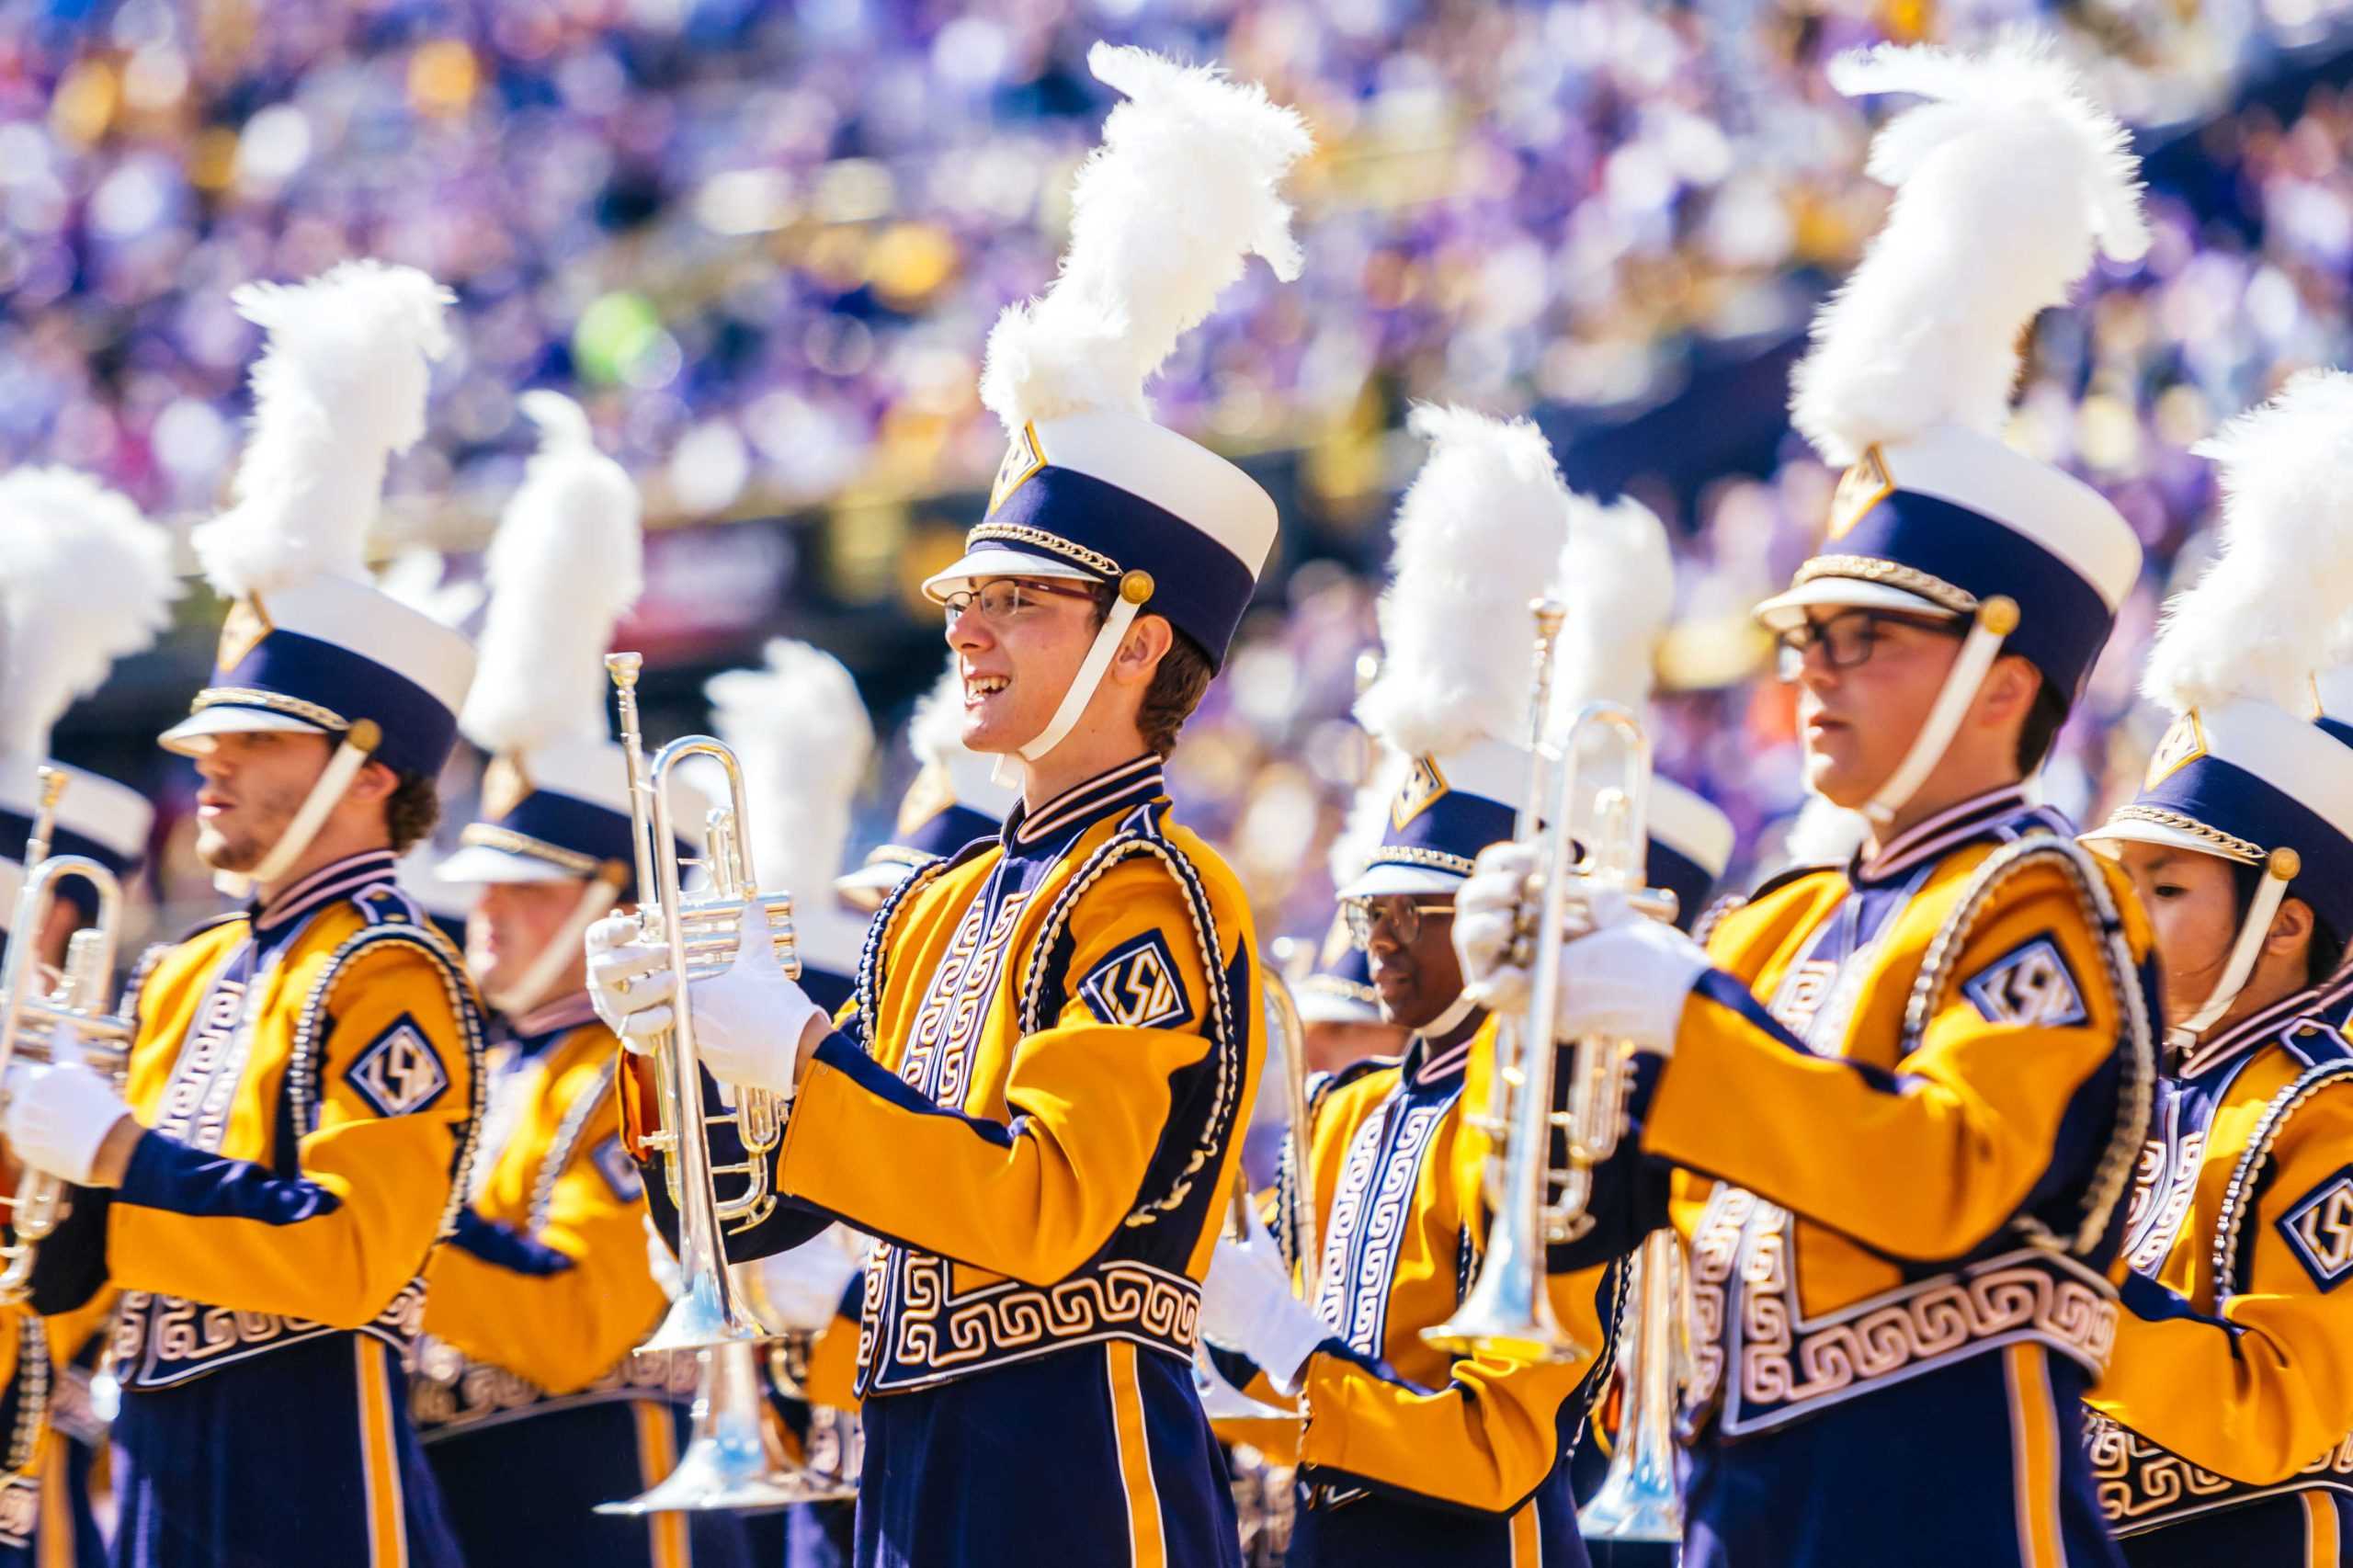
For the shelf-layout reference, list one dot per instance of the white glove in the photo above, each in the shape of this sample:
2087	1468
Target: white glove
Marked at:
802	1289
749	1016
629	980
1500	901
1629	980
1247	1306
58	1116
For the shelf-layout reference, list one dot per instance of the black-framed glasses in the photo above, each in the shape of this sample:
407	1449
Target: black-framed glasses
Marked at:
1404	919
1002	598
1846	640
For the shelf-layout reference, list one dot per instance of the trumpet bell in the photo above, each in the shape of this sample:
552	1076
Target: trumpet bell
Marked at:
716	1474
702	1317
1507	1314
1641	1502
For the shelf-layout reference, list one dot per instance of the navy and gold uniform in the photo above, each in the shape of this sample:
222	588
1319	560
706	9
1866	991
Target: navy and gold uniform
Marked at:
1905	1101
529	1386
307	1074
1034	1098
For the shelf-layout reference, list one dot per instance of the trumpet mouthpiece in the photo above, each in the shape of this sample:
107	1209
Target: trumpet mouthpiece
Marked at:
623	667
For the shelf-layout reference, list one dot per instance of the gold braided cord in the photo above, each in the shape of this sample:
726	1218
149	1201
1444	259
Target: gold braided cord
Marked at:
1910	579
489	835
2226	844
1406	855
1054	544
276	701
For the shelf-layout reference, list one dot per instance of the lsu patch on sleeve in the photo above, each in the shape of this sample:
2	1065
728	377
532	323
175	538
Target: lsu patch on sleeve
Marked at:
2319	1230
1137	987
400	1073
2031	986
612	1163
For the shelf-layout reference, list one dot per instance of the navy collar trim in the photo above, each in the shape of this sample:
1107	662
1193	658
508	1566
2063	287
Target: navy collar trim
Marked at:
1130	784
339	880
1949	828
1435	1063
2322	1001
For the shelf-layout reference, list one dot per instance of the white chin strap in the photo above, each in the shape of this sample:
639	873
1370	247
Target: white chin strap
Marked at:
1446	1023
1134	588
564	948
1996	619
2277	872
359	742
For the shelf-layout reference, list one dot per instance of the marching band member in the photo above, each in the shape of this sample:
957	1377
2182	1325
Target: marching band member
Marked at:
1905	1096
1337	1003
58	641
801	732
528	1385
953	800
1034	1098
1402	1437
2229	1397
301	1099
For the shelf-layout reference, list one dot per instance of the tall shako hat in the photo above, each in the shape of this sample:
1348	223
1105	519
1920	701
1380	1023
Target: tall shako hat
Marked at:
1616	584
1477	534
802	733
2243	773
1164	214
308	643
2007	184
567	561
953	800
84	580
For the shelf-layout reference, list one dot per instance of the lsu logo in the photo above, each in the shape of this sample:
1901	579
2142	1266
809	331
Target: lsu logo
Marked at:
2184	744
1022	460
1137	987
2029	986
2320	1231
1860	488
241	632
1422	787
612	1163
399	1072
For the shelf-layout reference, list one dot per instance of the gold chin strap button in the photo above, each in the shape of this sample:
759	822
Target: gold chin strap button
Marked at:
1999	615
365	734
2285	864
1136	588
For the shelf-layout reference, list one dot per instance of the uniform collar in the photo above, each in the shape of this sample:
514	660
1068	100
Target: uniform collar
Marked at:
1133	783
2318	1004
1425	1064
337	879
1947	830
534	1029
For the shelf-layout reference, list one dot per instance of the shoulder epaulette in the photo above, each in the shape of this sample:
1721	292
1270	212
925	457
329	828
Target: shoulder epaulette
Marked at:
2239	1192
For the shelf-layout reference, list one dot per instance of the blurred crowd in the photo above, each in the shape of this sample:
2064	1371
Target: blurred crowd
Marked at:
765	244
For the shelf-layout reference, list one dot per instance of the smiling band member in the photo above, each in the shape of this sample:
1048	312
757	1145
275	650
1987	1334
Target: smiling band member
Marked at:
1035	1095
526	1385
2229	1398
1906	1095
301	1101
1411	1454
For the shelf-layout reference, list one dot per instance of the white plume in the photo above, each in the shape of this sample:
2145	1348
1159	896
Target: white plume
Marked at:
568	559
419	578
2259	623
1163	214
804	739
936	733
1617	582
1368	818
84	581
339	388
2006	184
1478	536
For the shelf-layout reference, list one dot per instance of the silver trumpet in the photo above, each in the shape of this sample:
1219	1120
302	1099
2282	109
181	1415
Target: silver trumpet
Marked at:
700	934
34	1001
734	1461
1640	1496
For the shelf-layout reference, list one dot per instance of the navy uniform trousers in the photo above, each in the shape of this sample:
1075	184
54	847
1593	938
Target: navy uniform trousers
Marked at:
1930	1465
299	1458
1378	1528
952	1472
2303	1529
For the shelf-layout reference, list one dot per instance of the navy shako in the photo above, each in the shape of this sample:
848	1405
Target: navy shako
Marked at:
2244	772
1091	490
567	561
61	532
308	644
1908	381
953	800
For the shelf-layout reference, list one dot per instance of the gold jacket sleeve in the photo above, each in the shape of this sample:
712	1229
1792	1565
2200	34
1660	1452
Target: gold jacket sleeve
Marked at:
337	1238
1036	1194
1924	1161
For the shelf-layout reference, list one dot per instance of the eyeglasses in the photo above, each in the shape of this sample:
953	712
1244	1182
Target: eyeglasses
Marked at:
1405	920
1846	641
1001	599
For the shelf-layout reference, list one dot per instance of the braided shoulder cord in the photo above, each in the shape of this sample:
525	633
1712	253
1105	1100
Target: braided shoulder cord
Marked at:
1933	988
33	1375
567	1138
1713	915
2238	1194
1121	848
868	992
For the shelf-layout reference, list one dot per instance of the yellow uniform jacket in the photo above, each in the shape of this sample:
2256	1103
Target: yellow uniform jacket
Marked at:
1401	1227
307	1074
1035	1095
543	1291
2233	1376
1905	1107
